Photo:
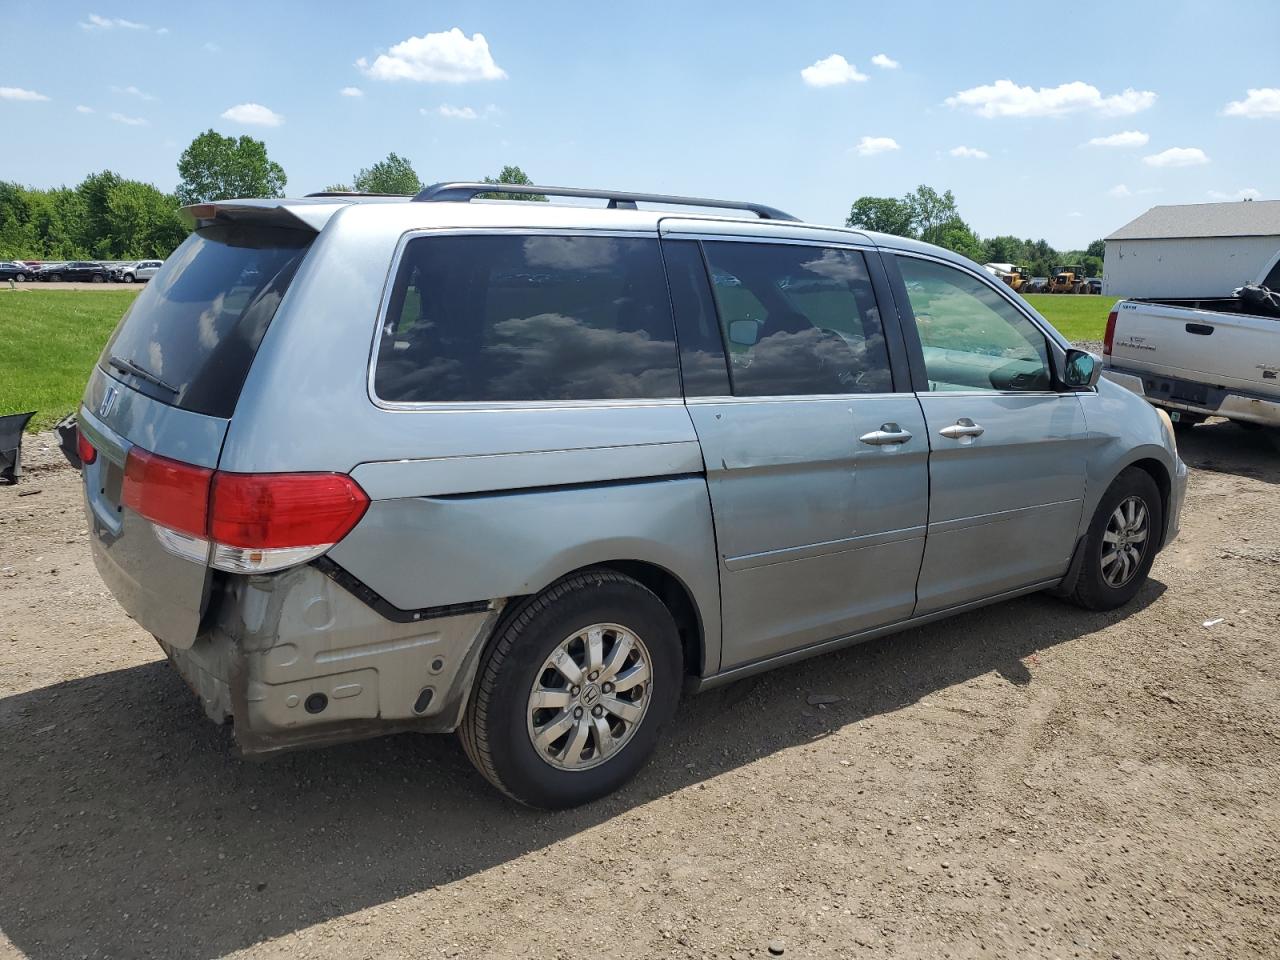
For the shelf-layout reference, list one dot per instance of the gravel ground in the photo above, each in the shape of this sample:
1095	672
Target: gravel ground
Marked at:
1028	780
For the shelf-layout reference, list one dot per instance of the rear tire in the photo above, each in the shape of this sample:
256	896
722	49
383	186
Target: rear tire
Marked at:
595	748
1121	543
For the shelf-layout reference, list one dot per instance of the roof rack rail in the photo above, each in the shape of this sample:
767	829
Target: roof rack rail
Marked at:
618	199
352	193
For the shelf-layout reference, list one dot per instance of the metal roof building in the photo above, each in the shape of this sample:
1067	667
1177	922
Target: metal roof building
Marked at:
1193	249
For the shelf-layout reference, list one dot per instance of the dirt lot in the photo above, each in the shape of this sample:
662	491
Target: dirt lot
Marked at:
1024	781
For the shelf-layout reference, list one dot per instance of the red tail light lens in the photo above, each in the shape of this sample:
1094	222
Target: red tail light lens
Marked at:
84	449
267	511
1110	334
168	492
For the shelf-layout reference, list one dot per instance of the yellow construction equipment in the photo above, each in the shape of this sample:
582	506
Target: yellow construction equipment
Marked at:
1068	279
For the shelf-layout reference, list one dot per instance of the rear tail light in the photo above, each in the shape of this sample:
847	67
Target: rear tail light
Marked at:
1110	334
84	449
242	522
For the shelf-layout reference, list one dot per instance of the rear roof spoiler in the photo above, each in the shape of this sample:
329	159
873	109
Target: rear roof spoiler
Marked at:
306	214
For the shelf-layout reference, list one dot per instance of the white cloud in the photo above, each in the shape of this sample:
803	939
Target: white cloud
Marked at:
969	153
17	93
1246	193
351	92
457	113
1075	213
831	72
83	109
254	114
1177	157
449	57
1004	98
1127	138
1260	102
95	22
133	92
1119	190
129	121
870	146
211	47
884	62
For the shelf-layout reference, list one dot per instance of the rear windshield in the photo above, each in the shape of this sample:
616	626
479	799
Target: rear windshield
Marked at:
191	335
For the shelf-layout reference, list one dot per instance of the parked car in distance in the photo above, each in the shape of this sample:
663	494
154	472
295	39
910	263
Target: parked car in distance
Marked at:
1211	357
82	270
1035	285
139	270
1094	285
14	270
526	471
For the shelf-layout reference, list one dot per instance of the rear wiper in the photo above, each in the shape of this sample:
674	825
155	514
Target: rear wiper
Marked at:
128	366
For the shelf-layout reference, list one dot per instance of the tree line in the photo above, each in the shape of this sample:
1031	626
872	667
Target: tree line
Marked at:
107	217
924	214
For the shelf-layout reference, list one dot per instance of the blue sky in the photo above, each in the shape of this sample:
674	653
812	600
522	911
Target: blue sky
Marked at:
706	98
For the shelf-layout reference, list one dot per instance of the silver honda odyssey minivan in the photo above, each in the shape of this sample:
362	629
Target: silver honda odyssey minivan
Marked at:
528	471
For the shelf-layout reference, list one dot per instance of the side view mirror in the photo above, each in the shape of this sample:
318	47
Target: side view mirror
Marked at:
744	333
1082	370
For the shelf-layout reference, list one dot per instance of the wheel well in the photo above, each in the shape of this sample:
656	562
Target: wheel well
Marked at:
676	596
1156	470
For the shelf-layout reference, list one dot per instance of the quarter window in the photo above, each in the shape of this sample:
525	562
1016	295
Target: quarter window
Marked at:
798	319
973	338
525	318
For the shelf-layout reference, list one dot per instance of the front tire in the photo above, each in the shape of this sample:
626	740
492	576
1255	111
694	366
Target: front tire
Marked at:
574	692
1121	543
128	278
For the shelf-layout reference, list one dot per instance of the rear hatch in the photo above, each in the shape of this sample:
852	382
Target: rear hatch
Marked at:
1233	351
156	411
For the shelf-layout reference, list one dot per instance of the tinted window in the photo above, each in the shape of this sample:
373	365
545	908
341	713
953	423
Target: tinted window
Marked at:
973	338
702	363
198	323
512	318
798	319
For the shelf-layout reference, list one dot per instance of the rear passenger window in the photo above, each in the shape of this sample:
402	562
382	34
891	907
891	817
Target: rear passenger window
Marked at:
798	319
524	318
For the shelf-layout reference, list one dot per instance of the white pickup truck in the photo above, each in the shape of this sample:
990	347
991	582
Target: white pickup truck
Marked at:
1216	357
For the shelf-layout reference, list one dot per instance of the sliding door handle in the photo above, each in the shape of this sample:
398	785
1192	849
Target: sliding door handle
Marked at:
962	429
888	433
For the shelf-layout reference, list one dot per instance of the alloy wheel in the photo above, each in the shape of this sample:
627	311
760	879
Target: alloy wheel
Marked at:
590	697
1124	542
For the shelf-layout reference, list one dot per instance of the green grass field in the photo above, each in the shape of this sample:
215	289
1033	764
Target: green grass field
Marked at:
1076	317
49	340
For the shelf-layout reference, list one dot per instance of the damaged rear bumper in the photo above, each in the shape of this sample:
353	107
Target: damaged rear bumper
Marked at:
294	660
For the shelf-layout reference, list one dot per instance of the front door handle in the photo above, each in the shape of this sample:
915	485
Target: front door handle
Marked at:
962	429
887	434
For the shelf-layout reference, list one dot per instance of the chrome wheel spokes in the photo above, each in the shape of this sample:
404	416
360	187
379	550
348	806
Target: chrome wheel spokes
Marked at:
590	696
1124	541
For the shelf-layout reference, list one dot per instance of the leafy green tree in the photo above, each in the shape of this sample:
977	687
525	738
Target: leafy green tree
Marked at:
393	175
18	237
957	236
1097	249
143	221
215	167
96	190
881	214
931	211
512	175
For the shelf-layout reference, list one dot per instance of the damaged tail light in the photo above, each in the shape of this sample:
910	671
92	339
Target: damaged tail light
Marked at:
84	449
241	522
1110	335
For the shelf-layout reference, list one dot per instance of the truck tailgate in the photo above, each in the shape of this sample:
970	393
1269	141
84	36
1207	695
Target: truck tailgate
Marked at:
1220	349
